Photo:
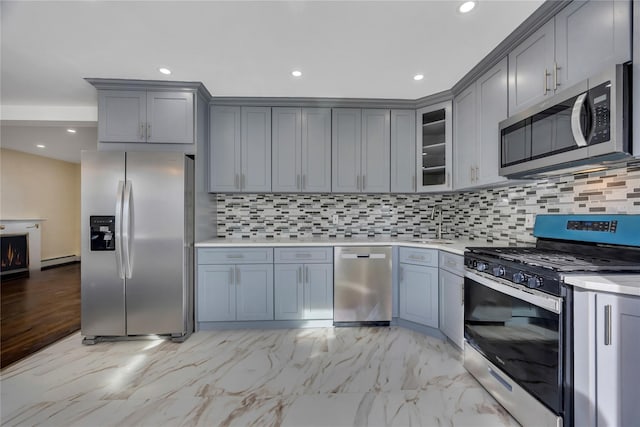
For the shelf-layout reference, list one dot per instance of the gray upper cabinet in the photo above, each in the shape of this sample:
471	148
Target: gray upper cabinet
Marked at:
531	66
591	35
580	41
224	149
160	117
256	149
170	118
301	139
376	148
240	149
345	140
360	150
477	112
465	138
403	151
434	147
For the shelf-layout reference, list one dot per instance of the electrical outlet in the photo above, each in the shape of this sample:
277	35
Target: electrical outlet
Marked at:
335	220
529	220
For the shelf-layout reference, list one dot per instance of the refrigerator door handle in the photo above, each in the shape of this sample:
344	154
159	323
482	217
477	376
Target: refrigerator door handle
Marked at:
118	230
127	230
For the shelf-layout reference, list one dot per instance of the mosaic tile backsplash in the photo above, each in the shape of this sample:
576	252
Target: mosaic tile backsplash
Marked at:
487	215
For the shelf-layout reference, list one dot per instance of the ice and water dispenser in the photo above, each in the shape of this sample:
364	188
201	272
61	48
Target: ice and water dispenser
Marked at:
103	233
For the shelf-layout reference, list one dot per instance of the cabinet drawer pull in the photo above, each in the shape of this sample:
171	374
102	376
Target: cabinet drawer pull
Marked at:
237	256
417	258
607	324
451	263
303	255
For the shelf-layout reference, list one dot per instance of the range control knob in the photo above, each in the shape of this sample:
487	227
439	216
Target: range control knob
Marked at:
519	277
534	282
498	271
482	266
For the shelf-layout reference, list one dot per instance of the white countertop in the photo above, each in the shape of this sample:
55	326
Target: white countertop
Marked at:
628	284
457	246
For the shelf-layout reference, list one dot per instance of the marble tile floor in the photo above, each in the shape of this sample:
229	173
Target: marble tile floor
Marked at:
289	377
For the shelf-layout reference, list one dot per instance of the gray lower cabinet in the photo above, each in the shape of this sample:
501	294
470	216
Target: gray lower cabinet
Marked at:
477	112
235	284
303	290
240	149
403	151
301	150
360	150
157	117
418	285
606	373
451	277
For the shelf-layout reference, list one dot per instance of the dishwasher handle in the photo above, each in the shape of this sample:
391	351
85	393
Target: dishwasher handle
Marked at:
365	256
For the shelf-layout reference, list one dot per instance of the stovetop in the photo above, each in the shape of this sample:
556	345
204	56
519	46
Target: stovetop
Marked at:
560	261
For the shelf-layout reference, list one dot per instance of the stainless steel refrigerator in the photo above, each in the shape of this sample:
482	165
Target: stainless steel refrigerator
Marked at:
137	245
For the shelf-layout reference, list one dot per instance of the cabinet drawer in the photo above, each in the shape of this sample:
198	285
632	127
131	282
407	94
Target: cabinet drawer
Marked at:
235	256
452	263
303	255
428	257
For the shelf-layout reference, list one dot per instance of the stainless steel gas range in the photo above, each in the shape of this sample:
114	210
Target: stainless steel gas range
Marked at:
518	320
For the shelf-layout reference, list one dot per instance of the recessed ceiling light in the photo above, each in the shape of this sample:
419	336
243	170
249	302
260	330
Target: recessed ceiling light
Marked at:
418	77
467	6
71	130
164	70
296	73
40	146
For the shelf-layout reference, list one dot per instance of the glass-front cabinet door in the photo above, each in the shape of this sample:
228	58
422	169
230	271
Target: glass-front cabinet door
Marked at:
434	147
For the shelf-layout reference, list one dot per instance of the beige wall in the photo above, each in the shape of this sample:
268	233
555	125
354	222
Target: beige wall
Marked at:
39	187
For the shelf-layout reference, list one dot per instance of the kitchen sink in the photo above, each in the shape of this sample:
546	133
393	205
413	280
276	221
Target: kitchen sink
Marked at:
439	241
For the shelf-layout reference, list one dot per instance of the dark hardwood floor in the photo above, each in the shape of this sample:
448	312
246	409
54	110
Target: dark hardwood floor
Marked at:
38	310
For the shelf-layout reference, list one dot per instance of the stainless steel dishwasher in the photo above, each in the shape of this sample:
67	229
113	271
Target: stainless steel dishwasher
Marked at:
362	285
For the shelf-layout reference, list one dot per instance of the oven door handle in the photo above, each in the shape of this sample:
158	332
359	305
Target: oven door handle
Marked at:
547	302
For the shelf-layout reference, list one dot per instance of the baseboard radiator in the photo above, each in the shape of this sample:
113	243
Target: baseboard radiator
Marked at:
53	262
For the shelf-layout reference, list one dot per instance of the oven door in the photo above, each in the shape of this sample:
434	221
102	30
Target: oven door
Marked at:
519	331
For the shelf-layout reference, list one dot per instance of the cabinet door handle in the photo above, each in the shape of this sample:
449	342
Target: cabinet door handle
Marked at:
358	182
555	76
237	276
306	274
304	181
471	173
363	185
462	293
142	127
297	181
607	324
546	86
236	181
477	173
447	179
401	274
242	181
231	275
299	275
148	130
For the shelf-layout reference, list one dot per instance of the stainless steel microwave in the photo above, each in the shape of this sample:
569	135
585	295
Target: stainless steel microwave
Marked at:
586	124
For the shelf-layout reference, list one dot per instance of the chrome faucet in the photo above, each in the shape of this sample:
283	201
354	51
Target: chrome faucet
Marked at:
438	208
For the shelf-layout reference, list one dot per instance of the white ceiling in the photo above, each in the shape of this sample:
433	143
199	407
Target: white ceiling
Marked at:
59	144
353	49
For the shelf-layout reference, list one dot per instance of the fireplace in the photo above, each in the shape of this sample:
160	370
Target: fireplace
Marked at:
14	255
